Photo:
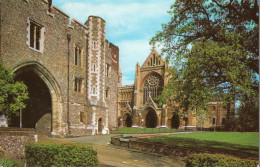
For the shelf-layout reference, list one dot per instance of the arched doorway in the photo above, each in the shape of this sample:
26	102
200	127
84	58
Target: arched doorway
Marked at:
37	106
100	125
175	121
46	102
128	120
151	119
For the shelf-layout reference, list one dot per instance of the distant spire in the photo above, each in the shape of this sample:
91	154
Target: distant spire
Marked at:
153	44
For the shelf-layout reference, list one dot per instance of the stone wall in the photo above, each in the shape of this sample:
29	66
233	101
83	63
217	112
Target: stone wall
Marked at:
13	140
50	63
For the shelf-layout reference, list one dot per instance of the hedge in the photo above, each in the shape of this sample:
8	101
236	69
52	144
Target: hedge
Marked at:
52	154
218	160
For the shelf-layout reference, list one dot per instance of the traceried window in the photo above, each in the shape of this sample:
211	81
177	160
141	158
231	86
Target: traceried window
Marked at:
78	56
36	38
152	87
78	85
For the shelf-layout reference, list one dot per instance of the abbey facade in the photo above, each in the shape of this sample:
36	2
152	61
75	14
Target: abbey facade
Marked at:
70	69
138	106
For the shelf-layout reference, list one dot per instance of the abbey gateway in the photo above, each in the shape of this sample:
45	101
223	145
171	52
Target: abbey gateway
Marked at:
73	75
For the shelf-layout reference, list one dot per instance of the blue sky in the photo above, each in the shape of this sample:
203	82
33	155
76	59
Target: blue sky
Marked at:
130	24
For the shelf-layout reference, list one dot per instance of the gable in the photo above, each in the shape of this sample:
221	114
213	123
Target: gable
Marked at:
154	59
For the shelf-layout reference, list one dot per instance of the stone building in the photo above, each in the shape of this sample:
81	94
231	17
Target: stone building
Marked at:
71	70
138	106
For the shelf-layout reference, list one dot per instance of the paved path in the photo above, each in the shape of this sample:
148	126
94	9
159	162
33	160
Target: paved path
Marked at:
110	155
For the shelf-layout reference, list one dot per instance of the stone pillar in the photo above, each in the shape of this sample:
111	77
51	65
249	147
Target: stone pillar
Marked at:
163	116
134	117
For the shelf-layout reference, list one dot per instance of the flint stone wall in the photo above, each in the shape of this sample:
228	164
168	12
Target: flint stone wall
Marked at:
13	140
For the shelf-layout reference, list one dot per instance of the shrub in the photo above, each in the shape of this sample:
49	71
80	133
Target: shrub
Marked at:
52	154
218	160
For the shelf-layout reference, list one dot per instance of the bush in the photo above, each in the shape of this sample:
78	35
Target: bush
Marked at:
218	160
52	154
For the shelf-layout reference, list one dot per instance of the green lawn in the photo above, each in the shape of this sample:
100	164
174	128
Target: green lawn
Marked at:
234	143
145	130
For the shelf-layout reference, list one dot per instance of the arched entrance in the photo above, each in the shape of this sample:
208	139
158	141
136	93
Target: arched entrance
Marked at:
100	125
175	121
128	120
38	104
151	119
44	104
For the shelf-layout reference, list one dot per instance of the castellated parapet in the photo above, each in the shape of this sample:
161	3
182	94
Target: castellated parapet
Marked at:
77	64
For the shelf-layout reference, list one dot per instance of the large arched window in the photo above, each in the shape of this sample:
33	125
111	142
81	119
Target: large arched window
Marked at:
152	87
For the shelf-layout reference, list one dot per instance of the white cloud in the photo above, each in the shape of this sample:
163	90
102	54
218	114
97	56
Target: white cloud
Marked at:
121	19
130	24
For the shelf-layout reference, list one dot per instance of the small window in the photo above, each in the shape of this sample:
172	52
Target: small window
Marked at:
94	90
214	121
78	85
94	68
81	117
107	69
36	36
107	91
78	56
213	108
95	45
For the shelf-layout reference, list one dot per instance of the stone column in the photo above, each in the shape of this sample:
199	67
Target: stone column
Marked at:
163	116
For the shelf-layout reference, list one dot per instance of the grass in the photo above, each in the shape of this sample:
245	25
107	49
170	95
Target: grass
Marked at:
233	143
8	162
125	130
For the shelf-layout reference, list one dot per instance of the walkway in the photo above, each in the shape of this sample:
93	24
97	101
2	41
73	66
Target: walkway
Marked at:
110	156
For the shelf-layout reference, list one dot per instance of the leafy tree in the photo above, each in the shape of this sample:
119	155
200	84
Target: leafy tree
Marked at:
248	117
12	94
202	117
213	45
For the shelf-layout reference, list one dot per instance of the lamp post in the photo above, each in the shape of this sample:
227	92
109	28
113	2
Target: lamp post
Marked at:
142	125
21	125
68	92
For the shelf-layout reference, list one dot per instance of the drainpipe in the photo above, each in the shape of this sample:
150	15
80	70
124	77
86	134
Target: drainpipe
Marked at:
68	92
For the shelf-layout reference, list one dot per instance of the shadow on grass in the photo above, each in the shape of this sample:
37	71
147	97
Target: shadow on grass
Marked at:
208	146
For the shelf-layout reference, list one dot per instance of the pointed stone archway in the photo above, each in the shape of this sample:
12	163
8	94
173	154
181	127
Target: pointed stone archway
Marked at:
151	118
175	121
50	89
128	120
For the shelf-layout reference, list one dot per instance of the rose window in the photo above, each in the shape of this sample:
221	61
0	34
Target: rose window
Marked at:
152	87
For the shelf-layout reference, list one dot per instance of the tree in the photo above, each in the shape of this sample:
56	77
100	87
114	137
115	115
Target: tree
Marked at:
213	45
201	117
12	94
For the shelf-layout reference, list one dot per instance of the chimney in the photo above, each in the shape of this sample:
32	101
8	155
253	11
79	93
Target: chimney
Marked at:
50	3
